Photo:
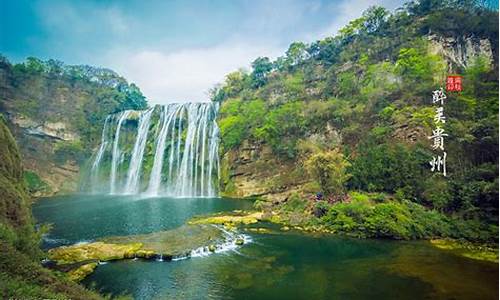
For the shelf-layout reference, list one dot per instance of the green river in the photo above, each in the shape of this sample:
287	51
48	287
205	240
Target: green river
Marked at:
274	265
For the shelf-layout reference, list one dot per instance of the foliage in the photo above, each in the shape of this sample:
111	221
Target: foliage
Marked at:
261	67
80	97
238	122
383	167
399	220
367	91
34	183
329	170
280	127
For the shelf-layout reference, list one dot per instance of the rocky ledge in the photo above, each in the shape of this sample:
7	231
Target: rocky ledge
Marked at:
81	259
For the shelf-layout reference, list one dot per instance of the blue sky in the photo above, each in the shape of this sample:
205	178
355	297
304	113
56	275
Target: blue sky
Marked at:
174	50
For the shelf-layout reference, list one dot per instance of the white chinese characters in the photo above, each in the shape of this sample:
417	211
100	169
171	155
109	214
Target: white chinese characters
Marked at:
438	163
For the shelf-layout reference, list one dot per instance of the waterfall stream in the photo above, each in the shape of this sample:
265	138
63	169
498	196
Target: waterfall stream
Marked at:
134	170
174	152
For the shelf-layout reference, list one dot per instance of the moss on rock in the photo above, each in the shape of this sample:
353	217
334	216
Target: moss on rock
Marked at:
229	219
93	251
81	272
466	249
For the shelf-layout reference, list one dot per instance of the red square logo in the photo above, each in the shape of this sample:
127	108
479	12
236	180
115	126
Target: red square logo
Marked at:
454	83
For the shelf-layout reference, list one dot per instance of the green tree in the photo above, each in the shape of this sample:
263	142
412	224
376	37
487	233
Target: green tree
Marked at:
374	17
329	169
296	53
261	68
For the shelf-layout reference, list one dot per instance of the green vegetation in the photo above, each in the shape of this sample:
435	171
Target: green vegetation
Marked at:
380	216
368	93
21	273
329	170
34	183
69	103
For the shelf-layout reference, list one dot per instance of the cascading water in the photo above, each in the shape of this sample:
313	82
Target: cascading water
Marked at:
95	165
175	151
116	152
169	113
134	170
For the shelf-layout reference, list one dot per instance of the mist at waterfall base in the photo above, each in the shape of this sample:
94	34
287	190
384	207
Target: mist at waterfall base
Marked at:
169	150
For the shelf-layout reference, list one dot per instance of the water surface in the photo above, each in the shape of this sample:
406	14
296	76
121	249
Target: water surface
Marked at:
278	265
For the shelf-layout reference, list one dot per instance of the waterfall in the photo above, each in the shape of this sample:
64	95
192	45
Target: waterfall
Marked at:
132	185
95	165
116	152
155	177
182	158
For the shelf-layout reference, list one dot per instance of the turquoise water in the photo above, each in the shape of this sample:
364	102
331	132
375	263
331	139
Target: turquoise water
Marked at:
79	218
277	265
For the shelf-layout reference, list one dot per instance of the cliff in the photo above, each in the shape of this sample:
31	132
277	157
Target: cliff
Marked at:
367	93
56	114
253	170
21	273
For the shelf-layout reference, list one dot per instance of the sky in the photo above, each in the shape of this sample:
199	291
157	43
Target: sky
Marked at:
175	51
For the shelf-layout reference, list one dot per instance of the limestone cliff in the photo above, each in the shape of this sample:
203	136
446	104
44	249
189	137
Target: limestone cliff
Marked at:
253	170
461	52
21	273
56	113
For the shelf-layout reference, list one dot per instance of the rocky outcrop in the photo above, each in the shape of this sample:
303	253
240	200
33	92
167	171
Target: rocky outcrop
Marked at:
56	113
459	53
80	260
51	130
252	170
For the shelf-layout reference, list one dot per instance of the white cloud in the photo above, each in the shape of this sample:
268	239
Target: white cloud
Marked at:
185	75
167	70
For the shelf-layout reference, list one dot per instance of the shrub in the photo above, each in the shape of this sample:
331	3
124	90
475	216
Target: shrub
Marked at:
396	220
329	170
34	183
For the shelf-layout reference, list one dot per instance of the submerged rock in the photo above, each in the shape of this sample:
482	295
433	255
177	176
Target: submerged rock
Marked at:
467	249
92	251
239	241
80	260
229	219
172	243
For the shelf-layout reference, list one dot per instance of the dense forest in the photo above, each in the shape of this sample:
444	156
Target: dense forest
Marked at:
351	116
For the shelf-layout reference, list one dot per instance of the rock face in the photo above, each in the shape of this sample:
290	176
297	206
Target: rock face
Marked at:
39	143
252	170
56	113
460	53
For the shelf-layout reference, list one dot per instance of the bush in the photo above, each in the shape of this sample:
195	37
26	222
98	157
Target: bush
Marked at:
329	170
396	220
34	183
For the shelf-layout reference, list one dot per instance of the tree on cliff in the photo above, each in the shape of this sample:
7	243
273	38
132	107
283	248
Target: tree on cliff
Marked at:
328	168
